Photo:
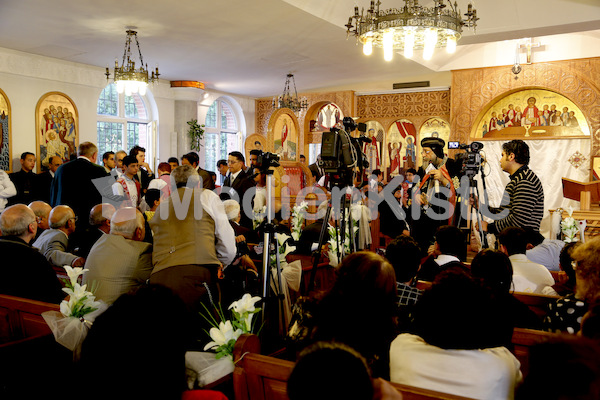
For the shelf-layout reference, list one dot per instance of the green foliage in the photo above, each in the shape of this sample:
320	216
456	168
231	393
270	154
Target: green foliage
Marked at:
196	133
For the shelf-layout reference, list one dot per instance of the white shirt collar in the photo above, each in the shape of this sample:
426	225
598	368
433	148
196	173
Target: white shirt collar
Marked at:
444	259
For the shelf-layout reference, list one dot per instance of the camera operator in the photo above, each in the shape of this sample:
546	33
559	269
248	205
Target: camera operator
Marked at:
435	174
524	192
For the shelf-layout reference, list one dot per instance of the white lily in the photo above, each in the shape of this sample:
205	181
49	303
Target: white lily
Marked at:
73	273
245	304
223	335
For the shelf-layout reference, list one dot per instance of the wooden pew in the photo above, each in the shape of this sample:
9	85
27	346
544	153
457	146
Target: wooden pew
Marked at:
22	318
522	340
538	303
259	377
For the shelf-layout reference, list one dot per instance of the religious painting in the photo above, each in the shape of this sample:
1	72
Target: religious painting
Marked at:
283	132
436	127
57	128
256	141
531	112
328	116
5	138
373	149
401	147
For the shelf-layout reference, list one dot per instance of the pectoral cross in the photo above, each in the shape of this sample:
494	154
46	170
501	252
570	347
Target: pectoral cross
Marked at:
528	46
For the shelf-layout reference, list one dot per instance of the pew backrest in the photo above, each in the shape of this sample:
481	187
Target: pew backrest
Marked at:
522	341
21	318
538	303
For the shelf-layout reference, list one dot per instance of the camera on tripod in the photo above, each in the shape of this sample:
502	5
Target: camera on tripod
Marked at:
471	159
266	160
340	153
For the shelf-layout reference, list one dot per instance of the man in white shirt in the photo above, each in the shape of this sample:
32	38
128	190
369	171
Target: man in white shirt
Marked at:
537	278
126	186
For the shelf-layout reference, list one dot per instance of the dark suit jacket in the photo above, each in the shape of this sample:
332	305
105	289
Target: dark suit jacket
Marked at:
207	181
27	185
146	177
26	273
44	185
241	184
73	186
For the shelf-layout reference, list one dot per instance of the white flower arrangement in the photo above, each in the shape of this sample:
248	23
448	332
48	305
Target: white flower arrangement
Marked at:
284	248
77	312
225	333
258	216
569	227
334	238
298	213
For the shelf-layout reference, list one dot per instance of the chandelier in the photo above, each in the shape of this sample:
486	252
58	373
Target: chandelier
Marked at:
289	100
411	27
127	77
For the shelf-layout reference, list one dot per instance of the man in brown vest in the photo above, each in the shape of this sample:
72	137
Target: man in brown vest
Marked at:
192	239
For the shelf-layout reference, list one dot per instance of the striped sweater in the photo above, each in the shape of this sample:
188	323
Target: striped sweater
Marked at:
525	196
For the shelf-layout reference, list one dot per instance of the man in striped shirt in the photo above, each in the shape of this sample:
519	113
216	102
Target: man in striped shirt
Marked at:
523	197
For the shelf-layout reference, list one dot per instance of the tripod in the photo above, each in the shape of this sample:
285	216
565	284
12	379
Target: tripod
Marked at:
474	193
271	295
345	210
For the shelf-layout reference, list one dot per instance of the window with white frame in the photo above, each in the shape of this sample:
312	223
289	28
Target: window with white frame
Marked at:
221	135
123	122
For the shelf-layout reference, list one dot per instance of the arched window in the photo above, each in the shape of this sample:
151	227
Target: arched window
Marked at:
222	135
123	122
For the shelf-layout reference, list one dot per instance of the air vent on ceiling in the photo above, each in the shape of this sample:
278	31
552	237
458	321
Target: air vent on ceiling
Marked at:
409	85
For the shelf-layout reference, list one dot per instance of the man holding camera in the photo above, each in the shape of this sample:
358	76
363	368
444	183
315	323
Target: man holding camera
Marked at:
524	192
436	185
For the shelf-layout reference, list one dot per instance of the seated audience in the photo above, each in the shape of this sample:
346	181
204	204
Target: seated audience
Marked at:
25	272
566	287
566	313
112	276
41	209
453	347
136	348
310	235
405	256
360	309
528	277
330	370
99	222
448	250
54	242
495	271
544	251
563	367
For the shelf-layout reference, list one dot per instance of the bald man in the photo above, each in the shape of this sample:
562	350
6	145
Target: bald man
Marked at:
99	220
53	243
115	276
41	209
25	272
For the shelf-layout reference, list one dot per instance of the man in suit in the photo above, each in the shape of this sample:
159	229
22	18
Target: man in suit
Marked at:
54	242
238	181
45	178
41	209
192	159
73	183
144	174
99	225
26	181
132	268
315	170
25	272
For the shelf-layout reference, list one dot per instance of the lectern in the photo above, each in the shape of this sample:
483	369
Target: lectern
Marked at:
587	193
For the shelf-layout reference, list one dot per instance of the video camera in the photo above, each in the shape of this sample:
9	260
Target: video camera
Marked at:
340	153
471	159
265	160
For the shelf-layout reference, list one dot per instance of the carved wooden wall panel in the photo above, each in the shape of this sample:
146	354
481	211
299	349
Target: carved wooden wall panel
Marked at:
474	89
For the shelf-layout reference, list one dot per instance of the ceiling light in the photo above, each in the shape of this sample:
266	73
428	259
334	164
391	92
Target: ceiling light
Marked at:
412	27
290	100
127	77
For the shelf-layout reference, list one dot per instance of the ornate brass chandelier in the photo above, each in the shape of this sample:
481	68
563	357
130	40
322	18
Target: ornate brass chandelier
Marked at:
289	100
412	27
127	77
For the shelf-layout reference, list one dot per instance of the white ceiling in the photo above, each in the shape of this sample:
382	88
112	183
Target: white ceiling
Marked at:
247	47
